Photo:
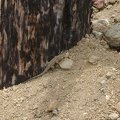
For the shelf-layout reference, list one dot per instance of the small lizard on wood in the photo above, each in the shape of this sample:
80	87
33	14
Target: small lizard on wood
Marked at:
56	59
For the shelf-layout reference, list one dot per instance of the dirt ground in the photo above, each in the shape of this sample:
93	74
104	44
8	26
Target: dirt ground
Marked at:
88	91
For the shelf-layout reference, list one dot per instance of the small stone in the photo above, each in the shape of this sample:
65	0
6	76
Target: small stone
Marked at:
66	63
34	107
97	34
87	36
113	16
107	97
53	106
113	116
93	60
103	82
55	112
14	88
108	75
97	26
104	22
117	107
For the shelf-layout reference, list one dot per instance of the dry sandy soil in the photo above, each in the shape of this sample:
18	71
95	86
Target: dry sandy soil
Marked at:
88	91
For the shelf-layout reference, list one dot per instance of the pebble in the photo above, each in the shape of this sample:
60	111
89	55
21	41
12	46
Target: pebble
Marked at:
53	106
113	116
117	107
104	22
97	34
55	112
93	60
107	97
66	63
103	82
108	75
97	26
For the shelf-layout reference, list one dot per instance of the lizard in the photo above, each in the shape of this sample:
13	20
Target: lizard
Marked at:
56	59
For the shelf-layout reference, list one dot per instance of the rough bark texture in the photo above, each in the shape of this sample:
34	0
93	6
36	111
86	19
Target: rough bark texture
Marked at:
34	31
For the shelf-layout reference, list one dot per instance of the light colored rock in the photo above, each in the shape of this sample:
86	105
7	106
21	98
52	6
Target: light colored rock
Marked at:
109	75
107	97
66	63
97	34
53	106
93	60
103	82
113	116
97	26
112	35
117	107
55	112
104	22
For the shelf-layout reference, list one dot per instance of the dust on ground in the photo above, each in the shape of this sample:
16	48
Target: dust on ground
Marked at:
88	91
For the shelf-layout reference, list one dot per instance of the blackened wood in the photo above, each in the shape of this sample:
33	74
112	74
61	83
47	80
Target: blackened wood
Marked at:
34	31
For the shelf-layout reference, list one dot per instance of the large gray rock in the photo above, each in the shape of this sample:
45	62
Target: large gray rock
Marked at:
112	35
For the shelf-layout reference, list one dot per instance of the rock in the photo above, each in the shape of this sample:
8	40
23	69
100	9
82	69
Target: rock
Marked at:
53	106
103	82
104	22
93	60
97	26
97	34
107	97
112	35
117	107
113	116
55	112
66	63
109	75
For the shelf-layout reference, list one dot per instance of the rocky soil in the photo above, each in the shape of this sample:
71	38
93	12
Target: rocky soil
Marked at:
90	90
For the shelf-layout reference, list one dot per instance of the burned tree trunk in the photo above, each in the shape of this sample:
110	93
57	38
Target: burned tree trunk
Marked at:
34	31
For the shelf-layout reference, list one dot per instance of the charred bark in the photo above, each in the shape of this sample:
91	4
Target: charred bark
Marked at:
34	31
